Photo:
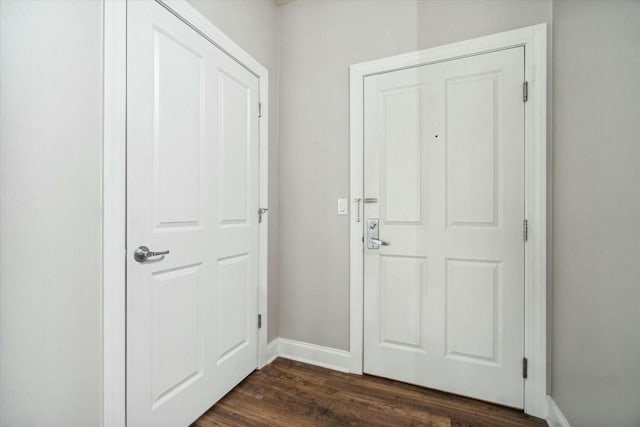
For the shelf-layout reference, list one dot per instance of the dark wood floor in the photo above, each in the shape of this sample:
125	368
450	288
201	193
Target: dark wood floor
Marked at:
288	393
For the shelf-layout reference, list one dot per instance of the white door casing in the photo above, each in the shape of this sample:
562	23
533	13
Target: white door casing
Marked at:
192	189
533	41
444	156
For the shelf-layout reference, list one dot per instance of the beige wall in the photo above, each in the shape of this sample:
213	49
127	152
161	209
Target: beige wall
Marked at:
253	25
596	275
318	42
50	217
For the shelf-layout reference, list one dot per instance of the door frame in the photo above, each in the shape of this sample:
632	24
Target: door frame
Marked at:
114	191
534	41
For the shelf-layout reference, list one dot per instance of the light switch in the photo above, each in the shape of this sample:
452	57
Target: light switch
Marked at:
342	207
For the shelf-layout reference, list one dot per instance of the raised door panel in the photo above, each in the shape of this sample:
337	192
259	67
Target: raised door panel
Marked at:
401	159
472	319
178	140
472	194
402	294
235	133
233	291
177	338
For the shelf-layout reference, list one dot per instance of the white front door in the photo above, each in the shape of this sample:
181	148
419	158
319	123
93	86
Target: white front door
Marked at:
444	156
192	190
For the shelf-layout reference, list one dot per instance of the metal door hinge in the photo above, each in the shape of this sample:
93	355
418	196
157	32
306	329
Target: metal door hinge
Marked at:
259	109
525	230
525	91
259	321
525	368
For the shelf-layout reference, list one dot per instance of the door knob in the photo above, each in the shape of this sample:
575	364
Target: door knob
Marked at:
142	253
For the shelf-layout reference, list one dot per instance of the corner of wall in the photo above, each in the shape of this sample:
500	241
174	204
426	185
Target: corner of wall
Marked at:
556	418
326	357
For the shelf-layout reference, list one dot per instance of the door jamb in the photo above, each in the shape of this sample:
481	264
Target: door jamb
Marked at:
534	40
114	191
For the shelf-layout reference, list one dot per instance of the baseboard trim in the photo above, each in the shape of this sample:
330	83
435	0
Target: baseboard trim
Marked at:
556	418
272	351
326	357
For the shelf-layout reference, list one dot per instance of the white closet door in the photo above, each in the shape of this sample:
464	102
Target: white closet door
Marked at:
444	156
192	190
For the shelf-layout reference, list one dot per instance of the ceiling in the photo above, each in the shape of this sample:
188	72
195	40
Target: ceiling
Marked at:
281	2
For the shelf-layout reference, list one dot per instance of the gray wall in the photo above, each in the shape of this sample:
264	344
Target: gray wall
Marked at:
253	25
50	218
50	121
596	275
595	174
318	42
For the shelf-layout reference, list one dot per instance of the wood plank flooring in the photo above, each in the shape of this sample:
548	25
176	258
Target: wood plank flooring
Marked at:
288	393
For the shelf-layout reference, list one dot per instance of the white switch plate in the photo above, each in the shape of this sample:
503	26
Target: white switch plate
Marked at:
342	207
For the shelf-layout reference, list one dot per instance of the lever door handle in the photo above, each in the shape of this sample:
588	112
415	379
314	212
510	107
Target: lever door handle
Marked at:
373	233
378	242
142	253
261	212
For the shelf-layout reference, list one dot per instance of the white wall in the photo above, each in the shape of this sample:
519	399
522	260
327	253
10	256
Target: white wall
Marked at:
596	276
50	200
253	25
50	218
318	42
